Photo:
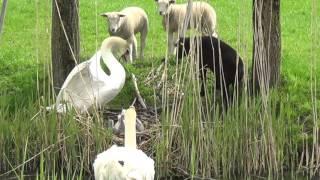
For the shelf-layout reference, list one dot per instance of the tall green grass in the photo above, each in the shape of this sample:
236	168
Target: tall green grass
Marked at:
269	136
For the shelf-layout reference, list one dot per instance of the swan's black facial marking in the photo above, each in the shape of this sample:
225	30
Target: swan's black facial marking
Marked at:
121	163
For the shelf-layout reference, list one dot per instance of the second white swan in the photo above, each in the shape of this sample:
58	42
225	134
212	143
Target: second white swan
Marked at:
88	84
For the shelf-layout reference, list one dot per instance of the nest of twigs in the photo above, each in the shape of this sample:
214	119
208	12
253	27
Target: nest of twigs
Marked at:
150	120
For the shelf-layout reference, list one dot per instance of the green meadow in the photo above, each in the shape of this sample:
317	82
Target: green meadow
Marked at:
274	136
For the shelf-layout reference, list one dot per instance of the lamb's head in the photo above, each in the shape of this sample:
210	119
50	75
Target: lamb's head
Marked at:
114	19
163	6
183	47
116	45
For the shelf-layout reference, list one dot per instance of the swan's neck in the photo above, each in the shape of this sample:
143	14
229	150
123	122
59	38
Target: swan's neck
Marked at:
116	69
130	129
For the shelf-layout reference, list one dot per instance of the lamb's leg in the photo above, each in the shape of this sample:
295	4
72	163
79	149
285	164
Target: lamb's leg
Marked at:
214	34
143	38
210	31
209	27
203	77
175	39
171	43
130	52
134	47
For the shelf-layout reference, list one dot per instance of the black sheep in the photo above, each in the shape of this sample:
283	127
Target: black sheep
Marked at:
230	66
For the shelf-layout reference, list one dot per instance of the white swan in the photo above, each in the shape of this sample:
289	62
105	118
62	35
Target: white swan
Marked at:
88	85
124	163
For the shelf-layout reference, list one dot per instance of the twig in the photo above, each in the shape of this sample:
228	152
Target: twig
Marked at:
149	76
163	76
154	75
2	15
134	101
134	80
36	115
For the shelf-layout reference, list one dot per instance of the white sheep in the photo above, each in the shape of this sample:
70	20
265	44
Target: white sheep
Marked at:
173	14
126	24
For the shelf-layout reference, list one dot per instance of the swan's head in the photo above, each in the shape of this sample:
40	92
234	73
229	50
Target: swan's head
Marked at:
115	20
163	6
116	45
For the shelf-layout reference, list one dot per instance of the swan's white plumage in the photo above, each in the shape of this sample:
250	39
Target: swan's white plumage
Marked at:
136	164
88	85
124	163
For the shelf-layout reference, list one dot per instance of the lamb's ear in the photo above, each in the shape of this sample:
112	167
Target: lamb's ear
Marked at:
105	15
172	1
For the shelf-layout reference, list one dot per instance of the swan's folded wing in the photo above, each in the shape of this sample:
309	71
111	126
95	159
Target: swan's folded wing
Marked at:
76	72
79	86
71	80
81	89
78	69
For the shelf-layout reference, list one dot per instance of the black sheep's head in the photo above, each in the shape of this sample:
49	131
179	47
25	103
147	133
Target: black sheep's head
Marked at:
183	47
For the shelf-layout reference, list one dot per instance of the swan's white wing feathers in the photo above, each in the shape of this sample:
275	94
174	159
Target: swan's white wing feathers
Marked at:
80	88
76	70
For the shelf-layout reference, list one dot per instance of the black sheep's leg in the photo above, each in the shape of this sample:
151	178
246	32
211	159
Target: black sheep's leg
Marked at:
203	77
217	88
224	92
226	96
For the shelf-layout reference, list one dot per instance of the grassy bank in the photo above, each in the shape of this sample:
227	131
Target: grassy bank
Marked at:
268	136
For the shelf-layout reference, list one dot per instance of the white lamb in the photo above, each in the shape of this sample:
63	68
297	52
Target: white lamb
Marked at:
126	24
173	18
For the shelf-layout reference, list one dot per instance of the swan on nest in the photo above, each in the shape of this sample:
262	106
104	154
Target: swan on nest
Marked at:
124	163
88	84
